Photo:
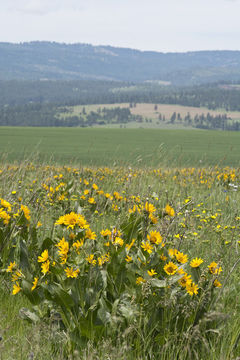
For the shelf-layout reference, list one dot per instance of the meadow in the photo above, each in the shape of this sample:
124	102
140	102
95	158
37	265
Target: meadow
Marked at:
119	244
148	110
121	147
119	262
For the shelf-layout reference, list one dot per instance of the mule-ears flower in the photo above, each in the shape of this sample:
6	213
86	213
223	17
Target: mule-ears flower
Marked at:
128	258
45	267
151	272
147	246
11	266
71	273
154	237
185	280
181	258
44	256
214	268
169	210
196	262
217	283
140	280
192	288
35	281
16	288
170	268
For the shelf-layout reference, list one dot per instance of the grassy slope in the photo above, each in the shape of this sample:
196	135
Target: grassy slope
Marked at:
106	147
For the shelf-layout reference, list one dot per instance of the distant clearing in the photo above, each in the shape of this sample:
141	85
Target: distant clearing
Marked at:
148	112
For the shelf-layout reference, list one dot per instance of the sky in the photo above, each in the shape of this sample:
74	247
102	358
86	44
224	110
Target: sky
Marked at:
158	25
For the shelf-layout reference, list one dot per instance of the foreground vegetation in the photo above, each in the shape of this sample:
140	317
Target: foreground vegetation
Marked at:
121	147
120	263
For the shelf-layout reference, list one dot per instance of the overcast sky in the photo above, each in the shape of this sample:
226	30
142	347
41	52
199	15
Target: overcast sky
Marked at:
160	25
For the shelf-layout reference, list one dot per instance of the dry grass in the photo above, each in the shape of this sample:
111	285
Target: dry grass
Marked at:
147	110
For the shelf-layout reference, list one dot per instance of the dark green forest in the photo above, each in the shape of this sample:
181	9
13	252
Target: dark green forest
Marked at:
40	103
83	92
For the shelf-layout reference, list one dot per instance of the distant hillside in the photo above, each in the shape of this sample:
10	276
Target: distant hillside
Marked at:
55	61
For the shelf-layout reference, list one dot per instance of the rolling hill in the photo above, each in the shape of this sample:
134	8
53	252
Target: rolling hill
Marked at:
42	60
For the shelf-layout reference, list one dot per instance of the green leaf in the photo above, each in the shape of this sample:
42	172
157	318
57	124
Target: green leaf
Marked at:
158	283
26	314
33	296
46	244
104	315
24	262
173	279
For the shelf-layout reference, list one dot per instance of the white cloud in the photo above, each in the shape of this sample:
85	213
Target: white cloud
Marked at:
42	7
164	25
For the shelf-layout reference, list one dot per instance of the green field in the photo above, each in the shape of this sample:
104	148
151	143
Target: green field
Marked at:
108	147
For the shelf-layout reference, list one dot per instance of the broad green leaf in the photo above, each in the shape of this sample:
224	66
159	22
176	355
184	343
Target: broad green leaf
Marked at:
28	315
158	283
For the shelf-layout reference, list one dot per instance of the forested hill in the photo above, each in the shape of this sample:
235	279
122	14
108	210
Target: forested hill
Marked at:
50	60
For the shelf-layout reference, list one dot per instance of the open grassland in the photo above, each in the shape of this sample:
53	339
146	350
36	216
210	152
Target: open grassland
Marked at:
119	263
148	111
108	147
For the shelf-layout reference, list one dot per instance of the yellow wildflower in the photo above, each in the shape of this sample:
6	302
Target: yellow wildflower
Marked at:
185	280
16	275
71	220
196	262
169	210
154	237
5	204
26	212
149	207
217	283
71	273
170	268
172	252
63	248
44	256
11	266
151	272
35	281
90	259
90	234
95	187
140	280
128	258
16	288
214	268
45	267
105	233
91	200
181	258
128	246
147	246
78	244
4	216
118	241
192	288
